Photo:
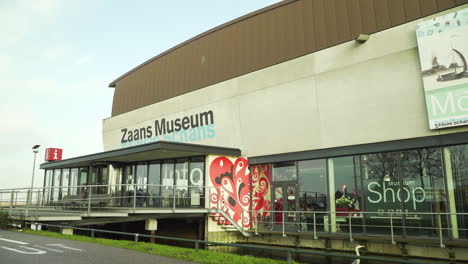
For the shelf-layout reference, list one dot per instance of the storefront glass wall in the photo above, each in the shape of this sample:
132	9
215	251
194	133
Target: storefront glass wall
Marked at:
418	189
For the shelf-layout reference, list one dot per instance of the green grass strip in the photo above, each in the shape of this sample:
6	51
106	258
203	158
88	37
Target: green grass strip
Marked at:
202	256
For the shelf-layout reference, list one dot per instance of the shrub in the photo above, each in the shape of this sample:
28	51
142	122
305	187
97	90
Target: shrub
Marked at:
4	220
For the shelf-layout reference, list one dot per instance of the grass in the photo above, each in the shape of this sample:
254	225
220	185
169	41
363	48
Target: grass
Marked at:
202	256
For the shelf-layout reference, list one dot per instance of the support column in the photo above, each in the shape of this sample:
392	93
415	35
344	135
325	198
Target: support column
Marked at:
151	225
451	192
331	193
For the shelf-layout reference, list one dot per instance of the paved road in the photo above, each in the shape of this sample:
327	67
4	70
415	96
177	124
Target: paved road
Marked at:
20	248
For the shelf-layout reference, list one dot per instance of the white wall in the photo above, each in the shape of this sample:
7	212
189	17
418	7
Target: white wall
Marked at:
345	95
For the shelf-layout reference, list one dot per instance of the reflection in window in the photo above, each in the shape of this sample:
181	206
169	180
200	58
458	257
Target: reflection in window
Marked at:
154	181
167	183
181	178
65	181
313	185
284	171
196	180
73	181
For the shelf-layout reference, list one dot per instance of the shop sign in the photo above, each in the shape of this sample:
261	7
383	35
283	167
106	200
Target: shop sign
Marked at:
443	54
390	192
53	154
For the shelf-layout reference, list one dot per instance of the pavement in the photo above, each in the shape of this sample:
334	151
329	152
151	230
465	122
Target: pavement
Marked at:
21	248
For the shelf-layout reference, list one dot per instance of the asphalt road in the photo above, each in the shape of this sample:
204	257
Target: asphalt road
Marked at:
20	248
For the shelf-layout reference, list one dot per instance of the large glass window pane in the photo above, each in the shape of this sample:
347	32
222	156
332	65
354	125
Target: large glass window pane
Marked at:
167	183
65	181
141	181
48	184
196	181
313	185
73	181
56	182
347	194
154	181
181	178
313	194
284	171
128	187
83	181
422	190
456	158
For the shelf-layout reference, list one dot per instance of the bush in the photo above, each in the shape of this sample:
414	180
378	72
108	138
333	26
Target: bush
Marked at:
4	220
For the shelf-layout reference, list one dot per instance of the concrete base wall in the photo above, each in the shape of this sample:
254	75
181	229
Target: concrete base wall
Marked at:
377	248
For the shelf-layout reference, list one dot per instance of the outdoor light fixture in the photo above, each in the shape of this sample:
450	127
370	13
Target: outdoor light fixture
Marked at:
35	149
387	178
362	38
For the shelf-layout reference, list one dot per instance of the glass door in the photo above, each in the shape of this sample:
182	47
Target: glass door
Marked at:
285	205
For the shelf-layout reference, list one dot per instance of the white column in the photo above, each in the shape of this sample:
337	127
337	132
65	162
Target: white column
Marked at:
331	191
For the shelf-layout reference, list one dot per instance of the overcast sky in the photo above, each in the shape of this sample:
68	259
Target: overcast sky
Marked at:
57	58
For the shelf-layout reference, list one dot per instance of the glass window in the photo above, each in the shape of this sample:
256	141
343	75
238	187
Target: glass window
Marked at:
73	181
457	185
154	181
56	184
167	183
48	185
83	181
313	185
284	171
65	181
181	178
196	180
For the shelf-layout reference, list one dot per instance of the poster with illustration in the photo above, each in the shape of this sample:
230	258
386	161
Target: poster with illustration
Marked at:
443	53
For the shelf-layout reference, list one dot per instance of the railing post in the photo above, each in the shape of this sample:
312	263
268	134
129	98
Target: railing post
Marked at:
174	197
315	228
284	235
442	245
391	229
350	228
196	246
136	238
289	257
134	197
90	193
92	233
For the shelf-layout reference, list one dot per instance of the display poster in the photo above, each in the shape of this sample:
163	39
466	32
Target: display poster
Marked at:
443	53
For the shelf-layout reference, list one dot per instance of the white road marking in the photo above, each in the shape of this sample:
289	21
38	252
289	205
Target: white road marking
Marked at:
14	241
62	246
34	251
51	249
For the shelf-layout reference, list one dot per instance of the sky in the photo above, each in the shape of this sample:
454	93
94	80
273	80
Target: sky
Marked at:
57	58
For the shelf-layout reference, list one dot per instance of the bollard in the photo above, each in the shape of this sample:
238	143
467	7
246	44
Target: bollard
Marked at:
136	238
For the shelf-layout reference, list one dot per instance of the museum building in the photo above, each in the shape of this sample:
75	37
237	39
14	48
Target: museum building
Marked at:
306	116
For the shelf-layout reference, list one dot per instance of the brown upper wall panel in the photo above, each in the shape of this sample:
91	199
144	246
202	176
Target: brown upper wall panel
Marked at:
269	36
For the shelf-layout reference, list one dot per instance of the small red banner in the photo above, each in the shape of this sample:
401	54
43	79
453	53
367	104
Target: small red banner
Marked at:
53	154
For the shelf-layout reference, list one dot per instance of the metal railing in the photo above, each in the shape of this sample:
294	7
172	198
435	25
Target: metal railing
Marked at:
289	251
133	197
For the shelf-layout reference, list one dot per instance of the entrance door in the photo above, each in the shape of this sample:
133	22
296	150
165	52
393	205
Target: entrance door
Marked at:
286	205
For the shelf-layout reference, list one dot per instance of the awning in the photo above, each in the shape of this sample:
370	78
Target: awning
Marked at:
150	151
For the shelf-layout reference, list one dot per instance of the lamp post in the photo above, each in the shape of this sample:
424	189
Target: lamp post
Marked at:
35	149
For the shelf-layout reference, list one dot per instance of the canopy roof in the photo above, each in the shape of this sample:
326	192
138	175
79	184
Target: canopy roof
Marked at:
150	151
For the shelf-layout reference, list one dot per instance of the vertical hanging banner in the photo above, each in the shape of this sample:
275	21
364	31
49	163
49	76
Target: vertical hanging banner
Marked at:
443	54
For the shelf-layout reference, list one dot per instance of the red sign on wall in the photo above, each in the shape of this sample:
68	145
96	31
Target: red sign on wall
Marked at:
53	154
